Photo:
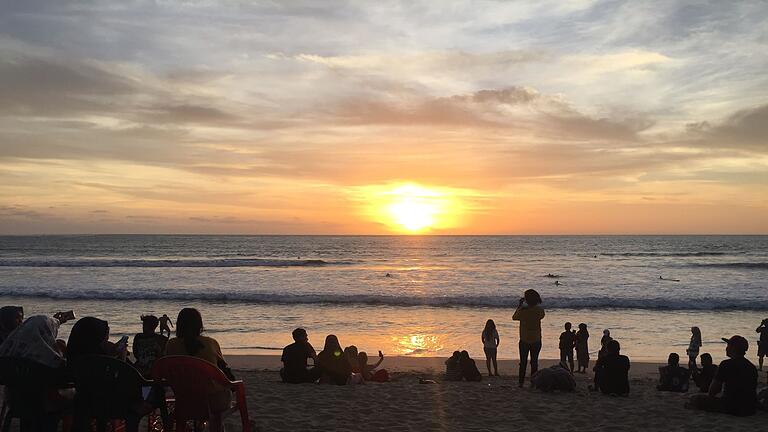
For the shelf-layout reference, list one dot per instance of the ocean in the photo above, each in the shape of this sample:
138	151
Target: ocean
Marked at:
404	295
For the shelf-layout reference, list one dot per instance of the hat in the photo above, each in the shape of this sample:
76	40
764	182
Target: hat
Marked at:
737	342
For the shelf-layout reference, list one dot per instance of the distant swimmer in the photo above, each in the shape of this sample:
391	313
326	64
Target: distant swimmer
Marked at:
671	280
550	275
387	275
557	283
595	256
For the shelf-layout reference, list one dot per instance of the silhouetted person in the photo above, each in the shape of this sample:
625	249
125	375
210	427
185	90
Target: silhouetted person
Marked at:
164	322
604	342
11	317
490	338
148	346
612	371
672	377
190	341
736	378
530	314
762	343
567	344
703	377
368	371
582	348
295	357
334	366
693	347
452	368
468	368
90	336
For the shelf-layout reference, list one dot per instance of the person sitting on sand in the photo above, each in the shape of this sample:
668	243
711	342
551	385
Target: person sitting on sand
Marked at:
567	343
164	322
334	366
582	348
672	377
612	371
694	346
529	313
490	339
603	342
468	368
295	357
703	377
189	341
369	372
554	378
11	318
148	345
762	343
452	367
737	378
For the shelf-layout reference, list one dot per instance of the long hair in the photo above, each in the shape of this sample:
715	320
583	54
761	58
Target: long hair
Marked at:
189	326
332	344
696	335
86	338
490	326
532	297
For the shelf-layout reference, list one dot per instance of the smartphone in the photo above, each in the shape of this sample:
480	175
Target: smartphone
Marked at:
68	315
122	344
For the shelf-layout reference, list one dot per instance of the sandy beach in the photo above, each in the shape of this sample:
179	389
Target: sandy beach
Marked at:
495	404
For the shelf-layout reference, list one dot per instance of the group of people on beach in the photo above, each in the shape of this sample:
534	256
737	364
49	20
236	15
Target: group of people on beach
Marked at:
333	365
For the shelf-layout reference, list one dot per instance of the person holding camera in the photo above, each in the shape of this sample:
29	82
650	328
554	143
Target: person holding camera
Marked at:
529	313
762	343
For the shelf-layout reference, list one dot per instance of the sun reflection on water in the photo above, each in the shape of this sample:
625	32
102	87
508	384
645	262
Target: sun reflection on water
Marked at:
418	344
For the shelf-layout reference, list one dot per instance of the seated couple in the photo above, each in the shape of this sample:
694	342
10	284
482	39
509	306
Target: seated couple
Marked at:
461	367
331	366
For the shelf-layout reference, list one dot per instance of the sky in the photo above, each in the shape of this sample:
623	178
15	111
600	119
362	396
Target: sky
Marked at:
301	117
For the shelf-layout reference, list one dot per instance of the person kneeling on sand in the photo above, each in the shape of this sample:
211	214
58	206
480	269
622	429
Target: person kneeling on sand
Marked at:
334	367
557	377
673	377
295	358
737	378
369	372
452	367
703	377
612	371
468	368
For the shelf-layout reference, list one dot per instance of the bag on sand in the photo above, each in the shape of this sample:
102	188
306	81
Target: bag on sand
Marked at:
380	375
554	378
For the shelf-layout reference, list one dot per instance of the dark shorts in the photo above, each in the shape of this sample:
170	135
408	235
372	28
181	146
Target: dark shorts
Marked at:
762	349
490	352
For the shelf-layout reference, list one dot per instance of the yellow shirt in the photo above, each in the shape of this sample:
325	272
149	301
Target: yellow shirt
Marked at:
210	351
530	323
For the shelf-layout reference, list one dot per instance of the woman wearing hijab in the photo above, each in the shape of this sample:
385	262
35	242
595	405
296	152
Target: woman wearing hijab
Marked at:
11	317
333	363
89	336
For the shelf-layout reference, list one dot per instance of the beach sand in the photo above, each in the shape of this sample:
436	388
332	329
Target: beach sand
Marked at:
495	404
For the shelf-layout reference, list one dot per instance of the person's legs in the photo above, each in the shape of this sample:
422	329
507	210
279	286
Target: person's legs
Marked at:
760	361
535	350
524	349
570	359
487	352
692	361
495	364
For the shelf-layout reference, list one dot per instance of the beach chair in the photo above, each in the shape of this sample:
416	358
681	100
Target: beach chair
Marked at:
27	385
108	391
196	384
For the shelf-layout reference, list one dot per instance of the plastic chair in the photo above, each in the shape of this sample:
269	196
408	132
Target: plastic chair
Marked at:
108	389
195	383
27	385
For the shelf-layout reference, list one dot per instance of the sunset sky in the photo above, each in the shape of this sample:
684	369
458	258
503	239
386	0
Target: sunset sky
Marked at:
540	117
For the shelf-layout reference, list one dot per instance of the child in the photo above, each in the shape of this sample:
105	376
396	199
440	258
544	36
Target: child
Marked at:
567	343
693	347
762	344
490	338
367	370
603	343
468	368
148	346
452	368
582	348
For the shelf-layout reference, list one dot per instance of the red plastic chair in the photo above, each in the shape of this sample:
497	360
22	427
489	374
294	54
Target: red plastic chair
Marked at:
195	382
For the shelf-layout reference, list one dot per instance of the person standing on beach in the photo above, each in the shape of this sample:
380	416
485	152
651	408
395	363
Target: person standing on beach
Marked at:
164	321
530	314
582	348
693	347
762	344
567	343
490	338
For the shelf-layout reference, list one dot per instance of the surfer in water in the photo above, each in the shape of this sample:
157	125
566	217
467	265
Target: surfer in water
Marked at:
671	280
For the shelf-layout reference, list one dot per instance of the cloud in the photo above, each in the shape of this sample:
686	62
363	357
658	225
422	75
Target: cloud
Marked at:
745	130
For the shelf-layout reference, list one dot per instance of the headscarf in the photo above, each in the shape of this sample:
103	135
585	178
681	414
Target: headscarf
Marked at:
8	316
87	338
35	340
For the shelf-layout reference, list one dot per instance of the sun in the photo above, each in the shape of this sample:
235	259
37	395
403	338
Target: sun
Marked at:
412	208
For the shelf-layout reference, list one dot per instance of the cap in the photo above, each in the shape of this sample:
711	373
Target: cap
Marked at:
738	342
